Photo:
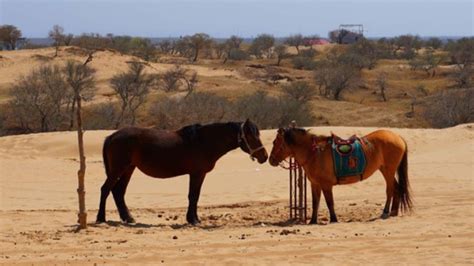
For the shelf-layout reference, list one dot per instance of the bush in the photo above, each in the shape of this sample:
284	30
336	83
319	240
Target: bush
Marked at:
450	108
301	91
37	100
272	112
101	116
198	107
305	63
309	53
238	55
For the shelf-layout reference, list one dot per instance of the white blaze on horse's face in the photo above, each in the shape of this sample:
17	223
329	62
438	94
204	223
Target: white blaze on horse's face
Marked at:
280	150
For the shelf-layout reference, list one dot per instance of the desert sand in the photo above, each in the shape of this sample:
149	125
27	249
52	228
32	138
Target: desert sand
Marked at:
243	208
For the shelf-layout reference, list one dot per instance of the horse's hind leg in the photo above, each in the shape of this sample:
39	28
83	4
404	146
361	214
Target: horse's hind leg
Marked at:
104	193
395	201
118	191
389	176
330	202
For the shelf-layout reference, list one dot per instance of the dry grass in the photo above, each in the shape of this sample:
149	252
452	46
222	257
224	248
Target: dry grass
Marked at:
360	106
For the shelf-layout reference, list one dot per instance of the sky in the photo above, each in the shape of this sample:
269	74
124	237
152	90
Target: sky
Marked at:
246	18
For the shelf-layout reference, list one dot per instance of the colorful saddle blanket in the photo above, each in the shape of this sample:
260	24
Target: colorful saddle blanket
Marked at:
348	156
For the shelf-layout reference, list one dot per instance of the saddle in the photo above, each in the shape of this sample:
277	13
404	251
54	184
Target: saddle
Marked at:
348	156
344	146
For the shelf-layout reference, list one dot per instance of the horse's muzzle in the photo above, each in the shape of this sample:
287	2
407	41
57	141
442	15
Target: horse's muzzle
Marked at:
262	159
272	161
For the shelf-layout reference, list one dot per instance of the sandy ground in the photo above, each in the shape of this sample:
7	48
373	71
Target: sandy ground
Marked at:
243	209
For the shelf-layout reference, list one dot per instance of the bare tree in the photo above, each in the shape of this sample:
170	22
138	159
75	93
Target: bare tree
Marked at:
363	53
68	39
39	97
198	42
280	51
336	73
80	79
176	77
462	55
381	82
450	108
231	46
296	40
301	91
132	88
407	44
434	43
262	46
57	34
9	34
165	46
428	62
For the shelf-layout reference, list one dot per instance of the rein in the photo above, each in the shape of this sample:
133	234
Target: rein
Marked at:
242	138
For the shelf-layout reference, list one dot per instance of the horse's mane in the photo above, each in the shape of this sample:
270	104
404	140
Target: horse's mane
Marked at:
192	132
189	132
290	137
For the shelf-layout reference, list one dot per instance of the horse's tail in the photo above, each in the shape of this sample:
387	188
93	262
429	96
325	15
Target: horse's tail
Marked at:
104	155
403	184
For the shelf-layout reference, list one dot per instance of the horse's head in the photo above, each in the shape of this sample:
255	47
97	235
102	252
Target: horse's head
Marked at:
249	141
280	150
281	145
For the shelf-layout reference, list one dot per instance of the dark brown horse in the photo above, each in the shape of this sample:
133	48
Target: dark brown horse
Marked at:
384	151
191	150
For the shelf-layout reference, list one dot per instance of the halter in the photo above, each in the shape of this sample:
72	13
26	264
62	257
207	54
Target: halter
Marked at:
242	138
292	166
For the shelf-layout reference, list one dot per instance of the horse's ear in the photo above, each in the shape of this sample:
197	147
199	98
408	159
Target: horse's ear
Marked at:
247	121
281	131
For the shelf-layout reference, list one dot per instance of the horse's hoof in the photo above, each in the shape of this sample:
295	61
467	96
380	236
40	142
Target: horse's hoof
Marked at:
130	221
385	216
393	214
194	222
313	222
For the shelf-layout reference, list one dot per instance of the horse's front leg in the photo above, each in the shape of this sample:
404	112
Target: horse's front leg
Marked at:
316	195
195	183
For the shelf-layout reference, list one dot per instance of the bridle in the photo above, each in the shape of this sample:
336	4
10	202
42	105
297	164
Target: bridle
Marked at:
293	165
242	138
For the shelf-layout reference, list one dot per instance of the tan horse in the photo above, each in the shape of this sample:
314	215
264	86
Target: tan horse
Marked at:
384	151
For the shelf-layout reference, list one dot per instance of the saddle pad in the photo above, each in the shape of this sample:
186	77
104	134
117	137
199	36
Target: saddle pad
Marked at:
349	159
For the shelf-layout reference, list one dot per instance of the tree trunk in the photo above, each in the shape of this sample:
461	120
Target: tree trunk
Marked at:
382	90
82	215
71	117
122	114
196	55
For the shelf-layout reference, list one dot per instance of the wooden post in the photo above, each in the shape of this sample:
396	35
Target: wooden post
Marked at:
82	215
298	187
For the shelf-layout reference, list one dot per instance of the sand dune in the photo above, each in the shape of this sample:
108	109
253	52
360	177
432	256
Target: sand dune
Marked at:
243	209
